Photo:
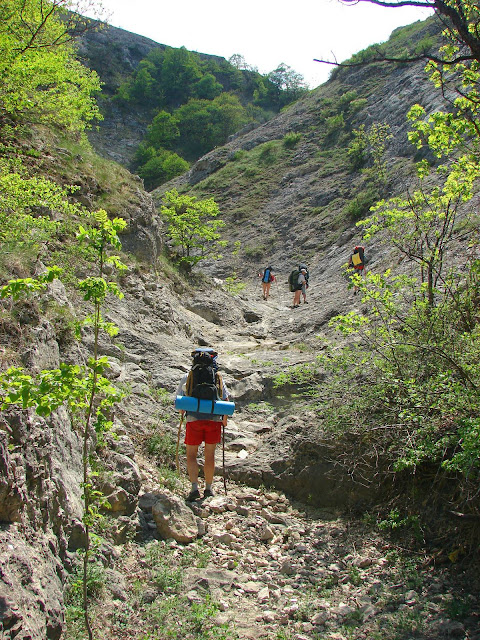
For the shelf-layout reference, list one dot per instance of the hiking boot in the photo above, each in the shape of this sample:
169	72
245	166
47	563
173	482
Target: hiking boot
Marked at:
208	493
305	302
193	495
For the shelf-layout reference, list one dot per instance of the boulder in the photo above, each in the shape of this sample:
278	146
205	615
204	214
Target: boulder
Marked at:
174	519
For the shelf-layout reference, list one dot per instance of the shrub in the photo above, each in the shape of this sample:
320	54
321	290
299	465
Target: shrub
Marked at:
357	208
268	154
291	140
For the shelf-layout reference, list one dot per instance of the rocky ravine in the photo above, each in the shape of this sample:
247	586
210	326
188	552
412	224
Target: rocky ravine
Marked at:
273	566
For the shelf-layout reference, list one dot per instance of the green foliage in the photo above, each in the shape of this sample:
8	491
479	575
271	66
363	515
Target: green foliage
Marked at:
159	166
288	85
41	81
84	390
96	580
415	392
394	522
162	445
268	153
22	287
192	226
303	374
335	124
291	140
163	131
368	148
198	104
205	124
233	285
360	205
411	376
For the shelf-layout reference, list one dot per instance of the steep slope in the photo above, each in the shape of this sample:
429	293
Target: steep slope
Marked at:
286	188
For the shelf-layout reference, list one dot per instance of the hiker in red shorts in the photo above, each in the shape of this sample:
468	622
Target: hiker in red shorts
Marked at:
202	427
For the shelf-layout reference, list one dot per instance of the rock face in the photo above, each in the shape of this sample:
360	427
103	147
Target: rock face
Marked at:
40	501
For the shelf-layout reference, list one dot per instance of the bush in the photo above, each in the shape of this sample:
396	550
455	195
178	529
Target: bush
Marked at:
291	140
268	154
358	208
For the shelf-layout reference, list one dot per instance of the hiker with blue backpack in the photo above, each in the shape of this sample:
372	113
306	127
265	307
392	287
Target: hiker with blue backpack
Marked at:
267	279
204	383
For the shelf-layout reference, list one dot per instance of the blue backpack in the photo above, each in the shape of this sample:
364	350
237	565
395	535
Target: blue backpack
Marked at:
267	275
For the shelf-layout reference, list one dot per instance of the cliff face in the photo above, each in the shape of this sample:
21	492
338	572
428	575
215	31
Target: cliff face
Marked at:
114	54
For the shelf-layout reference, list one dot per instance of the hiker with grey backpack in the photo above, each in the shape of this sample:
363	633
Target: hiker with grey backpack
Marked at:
298	284
204	383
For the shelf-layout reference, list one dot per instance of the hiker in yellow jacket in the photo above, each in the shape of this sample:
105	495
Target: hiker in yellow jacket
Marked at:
357	262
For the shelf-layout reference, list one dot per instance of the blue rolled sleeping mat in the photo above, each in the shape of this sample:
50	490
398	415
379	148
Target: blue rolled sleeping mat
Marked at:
195	405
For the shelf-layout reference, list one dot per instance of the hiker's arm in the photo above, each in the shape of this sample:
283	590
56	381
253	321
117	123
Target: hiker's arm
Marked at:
180	391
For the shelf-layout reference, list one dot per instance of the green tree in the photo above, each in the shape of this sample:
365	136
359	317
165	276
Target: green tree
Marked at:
207	88
418	345
180	72
370	145
288	85
160	166
205	124
84	390
163	131
192	227
40	79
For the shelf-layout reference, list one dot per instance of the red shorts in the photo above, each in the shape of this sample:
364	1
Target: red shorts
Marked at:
208	431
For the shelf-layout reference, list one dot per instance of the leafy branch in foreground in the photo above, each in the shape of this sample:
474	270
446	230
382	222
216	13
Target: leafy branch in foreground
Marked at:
408	385
84	390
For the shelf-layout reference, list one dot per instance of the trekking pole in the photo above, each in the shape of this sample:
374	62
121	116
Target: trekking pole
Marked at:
223	452
178	443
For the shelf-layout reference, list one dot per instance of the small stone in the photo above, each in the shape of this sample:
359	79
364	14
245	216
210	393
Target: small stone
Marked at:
286	568
411	597
319	618
268	616
266	533
264	594
224	538
363	563
343	610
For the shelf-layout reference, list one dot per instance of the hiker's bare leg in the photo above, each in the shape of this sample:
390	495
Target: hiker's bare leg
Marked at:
192	464
209	467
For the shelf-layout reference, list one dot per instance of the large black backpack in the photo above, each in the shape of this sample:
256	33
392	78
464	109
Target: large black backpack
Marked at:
293	280
203	381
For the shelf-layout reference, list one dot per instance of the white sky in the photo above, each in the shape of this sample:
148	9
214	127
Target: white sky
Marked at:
264	32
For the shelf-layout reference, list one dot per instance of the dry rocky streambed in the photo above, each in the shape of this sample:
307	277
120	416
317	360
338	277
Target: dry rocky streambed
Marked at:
254	563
